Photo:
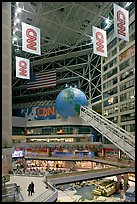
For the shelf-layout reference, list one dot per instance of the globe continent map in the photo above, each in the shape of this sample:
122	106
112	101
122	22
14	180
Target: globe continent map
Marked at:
68	102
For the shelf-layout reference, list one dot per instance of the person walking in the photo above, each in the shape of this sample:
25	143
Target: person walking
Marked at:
29	190
32	187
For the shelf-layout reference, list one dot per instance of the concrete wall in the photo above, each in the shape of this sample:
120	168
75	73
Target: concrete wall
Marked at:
6	81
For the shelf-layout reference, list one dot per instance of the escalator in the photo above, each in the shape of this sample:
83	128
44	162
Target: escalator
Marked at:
118	136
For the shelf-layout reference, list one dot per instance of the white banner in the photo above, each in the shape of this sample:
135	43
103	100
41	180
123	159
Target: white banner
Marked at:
99	41
121	23
31	39
22	68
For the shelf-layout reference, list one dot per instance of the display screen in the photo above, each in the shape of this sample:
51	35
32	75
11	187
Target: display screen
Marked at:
19	153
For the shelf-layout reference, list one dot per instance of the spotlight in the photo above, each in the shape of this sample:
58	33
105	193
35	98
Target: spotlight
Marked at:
18	10
17	20
15	38
107	21
16	29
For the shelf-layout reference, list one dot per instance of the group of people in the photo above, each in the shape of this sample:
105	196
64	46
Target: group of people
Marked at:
30	188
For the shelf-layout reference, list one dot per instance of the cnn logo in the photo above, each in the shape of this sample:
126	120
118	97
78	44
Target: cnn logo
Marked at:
32	37
121	23
99	42
22	68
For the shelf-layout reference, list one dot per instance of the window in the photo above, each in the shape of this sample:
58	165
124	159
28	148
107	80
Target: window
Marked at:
110	73
124	65
122	45
128	95
128	117
127	74
127	106
110	92
132	37
127	85
129	128
114	119
112	44
110	101
132	27
114	52
110	83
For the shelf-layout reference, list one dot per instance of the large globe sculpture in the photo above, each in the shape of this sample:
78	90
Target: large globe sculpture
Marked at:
68	102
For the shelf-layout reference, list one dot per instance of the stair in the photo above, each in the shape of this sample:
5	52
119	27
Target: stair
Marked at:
118	136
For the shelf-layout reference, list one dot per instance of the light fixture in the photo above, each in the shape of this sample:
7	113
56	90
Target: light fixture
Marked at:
18	10
107	20
13	31
16	29
17	20
15	38
16	14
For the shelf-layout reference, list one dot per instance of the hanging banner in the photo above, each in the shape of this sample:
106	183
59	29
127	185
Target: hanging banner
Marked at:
99	42
31	39
22	68
121	23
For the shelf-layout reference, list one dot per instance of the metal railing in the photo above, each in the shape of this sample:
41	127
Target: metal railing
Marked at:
118	136
49	195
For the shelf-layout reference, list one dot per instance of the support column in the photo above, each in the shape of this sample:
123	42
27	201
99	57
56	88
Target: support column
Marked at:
6	85
119	154
103	152
125	182
89	60
118	182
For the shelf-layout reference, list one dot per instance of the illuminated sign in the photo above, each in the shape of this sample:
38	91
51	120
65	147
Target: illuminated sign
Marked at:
42	111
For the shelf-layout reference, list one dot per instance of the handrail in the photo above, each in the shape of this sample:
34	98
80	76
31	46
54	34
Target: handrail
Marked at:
118	136
49	195
116	129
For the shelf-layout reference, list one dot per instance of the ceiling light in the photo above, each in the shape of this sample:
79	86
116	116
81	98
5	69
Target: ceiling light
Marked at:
13	31
15	38
16	14
16	29
107	21
17	20
18	10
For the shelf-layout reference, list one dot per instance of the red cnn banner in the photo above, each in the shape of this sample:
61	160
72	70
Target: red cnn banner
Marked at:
22	68
99	42
31	39
121	23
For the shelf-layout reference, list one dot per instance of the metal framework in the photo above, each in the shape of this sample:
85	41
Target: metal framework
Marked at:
66	44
